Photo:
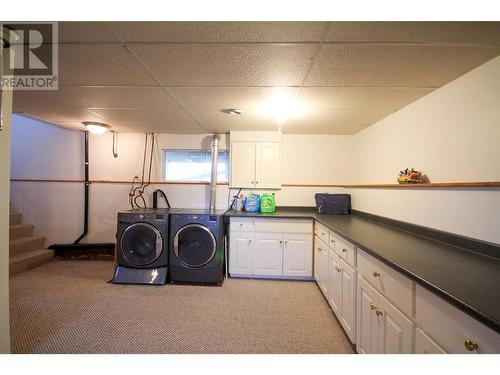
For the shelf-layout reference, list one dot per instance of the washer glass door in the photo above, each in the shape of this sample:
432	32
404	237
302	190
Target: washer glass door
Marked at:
194	245
141	243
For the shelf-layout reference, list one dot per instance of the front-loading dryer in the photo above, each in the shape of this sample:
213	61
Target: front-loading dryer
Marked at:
141	252
196	246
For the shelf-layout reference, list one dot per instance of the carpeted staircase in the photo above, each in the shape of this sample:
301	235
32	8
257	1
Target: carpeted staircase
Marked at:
26	250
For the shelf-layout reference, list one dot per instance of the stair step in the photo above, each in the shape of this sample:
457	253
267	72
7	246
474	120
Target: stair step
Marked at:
21	231
28	260
26	244
16	219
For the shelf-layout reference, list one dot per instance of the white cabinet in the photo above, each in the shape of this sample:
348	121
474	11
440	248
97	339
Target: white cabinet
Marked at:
297	259
381	327
334	283
390	283
347	314
242	252
425	345
270	247
342	292
256	165
243	164
268	259
268	165
367	322
321	265
455	331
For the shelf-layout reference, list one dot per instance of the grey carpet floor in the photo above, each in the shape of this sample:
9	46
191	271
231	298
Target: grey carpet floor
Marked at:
66	306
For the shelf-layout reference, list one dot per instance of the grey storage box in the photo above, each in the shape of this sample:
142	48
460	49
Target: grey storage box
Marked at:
333	204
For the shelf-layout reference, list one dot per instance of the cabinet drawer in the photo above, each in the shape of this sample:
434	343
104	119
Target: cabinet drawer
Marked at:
283	225
395	287
240	224
344	249
451	328
425	345
322	232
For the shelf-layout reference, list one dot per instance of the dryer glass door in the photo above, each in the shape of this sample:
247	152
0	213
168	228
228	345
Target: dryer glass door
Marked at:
194	245
141	243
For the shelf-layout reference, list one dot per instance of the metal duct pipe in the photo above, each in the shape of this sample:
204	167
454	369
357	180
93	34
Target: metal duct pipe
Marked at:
213	176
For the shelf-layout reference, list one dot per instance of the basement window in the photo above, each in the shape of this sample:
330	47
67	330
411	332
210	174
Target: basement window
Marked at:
194	165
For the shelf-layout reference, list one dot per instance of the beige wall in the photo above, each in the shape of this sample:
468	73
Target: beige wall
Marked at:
6	109
452	135
45	151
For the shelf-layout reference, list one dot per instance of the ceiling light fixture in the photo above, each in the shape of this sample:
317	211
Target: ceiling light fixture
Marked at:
281	107
96	127
232	111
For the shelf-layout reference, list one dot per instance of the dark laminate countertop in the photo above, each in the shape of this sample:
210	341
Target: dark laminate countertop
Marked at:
468	280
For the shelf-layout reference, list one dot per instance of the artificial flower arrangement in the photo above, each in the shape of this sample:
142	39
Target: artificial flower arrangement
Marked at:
410	176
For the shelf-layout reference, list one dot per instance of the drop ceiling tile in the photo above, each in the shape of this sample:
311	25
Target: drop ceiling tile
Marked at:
61	114
213	120
228	64
334	128
96	97
326	118
327	98
359	98
86	32
162	127
394	65
100	64
244	98
416	32
150	119
175	32
38	99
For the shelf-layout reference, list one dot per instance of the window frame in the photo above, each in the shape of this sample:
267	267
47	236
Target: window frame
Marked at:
164	164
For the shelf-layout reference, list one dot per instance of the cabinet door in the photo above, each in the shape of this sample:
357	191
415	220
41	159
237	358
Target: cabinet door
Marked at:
317	258
241	252
368	324
268	165
334	283
243	164
297	255
321	267
268	258
397	333
425	345
348	306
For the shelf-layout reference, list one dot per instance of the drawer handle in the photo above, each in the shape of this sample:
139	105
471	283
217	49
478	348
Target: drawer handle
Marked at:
338	269
372	306
376	274
378	312
249	241
344	250
471	345
332	241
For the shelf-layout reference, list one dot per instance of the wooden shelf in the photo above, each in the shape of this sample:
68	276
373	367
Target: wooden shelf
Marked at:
423	185
431	184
